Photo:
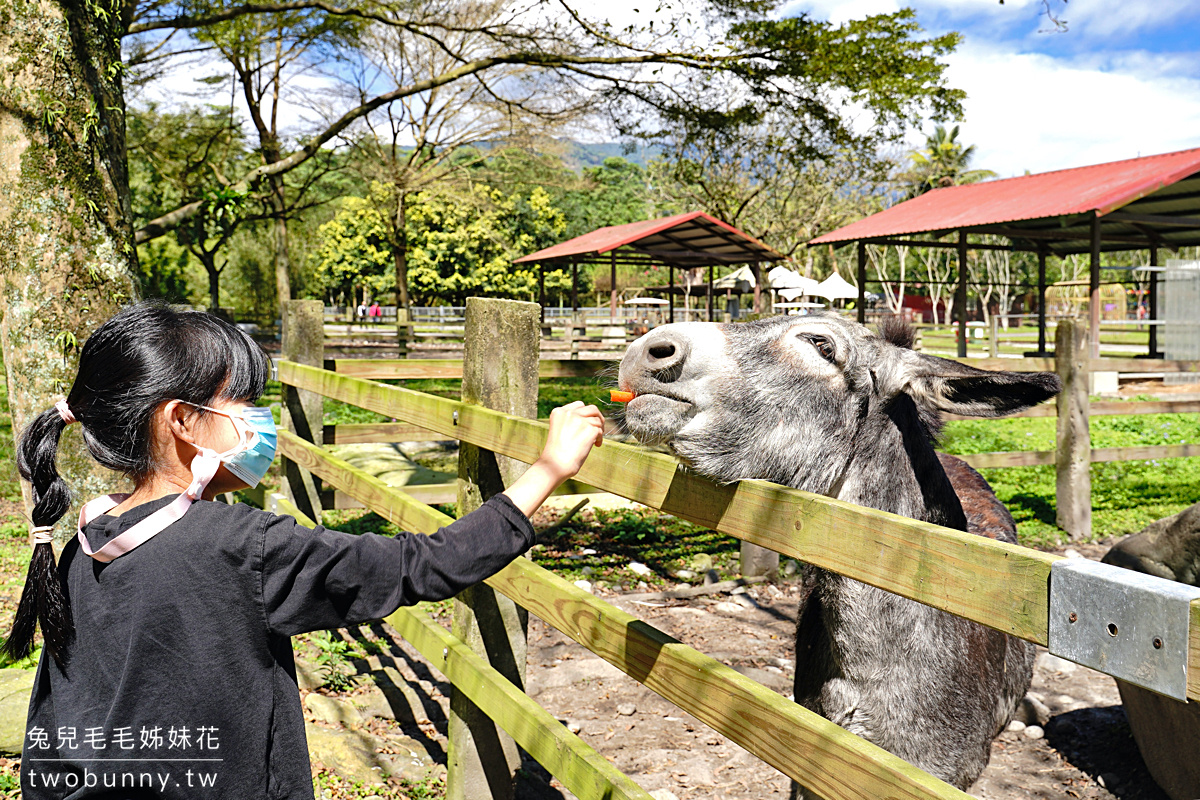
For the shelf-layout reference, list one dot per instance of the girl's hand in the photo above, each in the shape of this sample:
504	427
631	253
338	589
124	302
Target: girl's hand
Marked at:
574	429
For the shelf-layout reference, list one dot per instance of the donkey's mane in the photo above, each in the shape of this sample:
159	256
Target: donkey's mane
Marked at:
900	332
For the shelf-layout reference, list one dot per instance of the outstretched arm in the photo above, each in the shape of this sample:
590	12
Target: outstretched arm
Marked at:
574	429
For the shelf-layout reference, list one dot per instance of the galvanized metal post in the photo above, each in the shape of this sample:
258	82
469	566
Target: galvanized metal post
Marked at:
500	371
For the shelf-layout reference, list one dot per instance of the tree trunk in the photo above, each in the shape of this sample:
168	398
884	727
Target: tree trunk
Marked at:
64	207
283	281
400	250
214	283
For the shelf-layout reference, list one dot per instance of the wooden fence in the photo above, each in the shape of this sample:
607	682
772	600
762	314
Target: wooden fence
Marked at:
573	338
1003	586
1073	409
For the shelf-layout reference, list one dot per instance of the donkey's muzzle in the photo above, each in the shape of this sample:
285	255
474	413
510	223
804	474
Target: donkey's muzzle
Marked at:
659	354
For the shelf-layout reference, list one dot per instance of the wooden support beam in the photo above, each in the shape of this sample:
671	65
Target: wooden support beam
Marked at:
1096	455
960	299
889	240
671	293
302	411
861	309
612	294
1041	305
1059	236
710	293
1094	290
1154	219
420	368
1113	408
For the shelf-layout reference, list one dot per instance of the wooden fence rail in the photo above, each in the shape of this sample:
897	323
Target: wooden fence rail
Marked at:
1003	586
903	553
798	742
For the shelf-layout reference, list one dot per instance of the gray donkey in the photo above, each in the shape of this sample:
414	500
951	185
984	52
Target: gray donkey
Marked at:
822	404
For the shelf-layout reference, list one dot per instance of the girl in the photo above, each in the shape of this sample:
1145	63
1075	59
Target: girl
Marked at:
167	622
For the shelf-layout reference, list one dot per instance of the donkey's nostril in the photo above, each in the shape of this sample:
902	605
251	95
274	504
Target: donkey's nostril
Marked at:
665	350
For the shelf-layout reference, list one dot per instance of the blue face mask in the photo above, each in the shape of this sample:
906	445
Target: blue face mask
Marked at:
250	459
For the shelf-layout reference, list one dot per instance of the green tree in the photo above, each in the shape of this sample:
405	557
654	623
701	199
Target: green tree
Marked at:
62	104
266	51
353	252
462	243
815	75
613	193
943	161
180	156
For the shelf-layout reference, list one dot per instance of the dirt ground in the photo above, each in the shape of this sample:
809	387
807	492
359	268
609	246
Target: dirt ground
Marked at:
1086	750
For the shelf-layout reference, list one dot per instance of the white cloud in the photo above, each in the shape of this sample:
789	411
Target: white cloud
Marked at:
1120	18
1032	111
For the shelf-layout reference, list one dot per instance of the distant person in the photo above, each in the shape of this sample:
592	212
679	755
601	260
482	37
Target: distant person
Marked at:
361	311
375	311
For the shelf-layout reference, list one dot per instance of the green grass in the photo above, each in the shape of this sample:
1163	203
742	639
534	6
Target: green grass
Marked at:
1126	495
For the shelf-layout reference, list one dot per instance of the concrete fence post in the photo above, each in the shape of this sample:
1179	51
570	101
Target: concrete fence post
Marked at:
500	371
303	411
1073	451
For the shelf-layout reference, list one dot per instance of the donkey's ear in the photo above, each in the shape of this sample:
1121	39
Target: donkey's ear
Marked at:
959	389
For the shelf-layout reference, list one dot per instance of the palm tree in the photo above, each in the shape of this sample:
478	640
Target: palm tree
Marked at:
943	161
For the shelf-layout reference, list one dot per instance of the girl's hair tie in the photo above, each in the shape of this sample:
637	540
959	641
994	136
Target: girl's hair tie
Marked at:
64	411
43	534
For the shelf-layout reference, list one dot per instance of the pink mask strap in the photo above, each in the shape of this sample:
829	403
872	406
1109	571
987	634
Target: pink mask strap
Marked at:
204	467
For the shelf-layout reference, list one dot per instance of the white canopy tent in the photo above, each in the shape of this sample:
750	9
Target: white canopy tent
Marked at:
835	287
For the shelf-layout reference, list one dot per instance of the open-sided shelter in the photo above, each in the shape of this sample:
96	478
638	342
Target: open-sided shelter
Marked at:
1143	203
682	241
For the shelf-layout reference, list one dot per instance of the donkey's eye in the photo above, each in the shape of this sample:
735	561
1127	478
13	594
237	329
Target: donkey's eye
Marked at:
823	346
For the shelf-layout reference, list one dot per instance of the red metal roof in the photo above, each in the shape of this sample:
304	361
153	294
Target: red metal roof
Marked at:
1048	196
692	239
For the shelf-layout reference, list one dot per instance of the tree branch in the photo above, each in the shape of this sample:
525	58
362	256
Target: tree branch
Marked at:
167	222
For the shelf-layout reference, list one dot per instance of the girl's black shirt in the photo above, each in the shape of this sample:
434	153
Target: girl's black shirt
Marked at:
181	681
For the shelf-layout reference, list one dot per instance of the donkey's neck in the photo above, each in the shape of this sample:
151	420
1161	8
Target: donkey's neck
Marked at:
896	469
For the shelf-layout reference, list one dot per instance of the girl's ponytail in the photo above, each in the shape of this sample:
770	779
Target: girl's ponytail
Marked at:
44	598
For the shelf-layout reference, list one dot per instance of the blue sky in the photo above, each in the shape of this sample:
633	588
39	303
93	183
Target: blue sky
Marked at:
1122	81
